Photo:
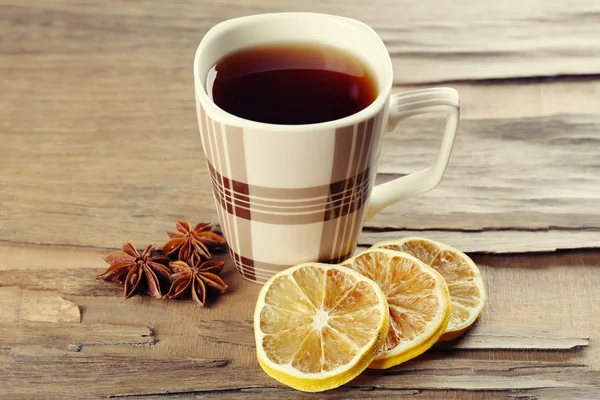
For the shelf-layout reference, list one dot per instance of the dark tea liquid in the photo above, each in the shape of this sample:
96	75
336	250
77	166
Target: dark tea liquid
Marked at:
291	84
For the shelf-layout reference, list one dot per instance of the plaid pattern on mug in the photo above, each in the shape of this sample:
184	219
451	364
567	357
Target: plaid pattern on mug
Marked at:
307	204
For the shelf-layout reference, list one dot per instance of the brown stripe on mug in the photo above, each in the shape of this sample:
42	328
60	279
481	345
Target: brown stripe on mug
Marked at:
219	163
297	194
353	187
244	265
210	149
252	269
344	147
237	153
338	206
236	202
358	210
231	144
259	266
348	225
292	199
346	159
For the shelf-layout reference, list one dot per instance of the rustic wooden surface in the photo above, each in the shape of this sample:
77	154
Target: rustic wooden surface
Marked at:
462	40
99	145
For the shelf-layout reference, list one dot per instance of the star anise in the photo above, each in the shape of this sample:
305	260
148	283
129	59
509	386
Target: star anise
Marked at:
196	277
188	241
138	271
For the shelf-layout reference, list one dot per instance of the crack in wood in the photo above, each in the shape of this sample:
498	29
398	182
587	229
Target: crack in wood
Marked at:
72	281
383	228
505	240
261	392
183	378
514	338
54	245
27	333
51	355
533	79
450	367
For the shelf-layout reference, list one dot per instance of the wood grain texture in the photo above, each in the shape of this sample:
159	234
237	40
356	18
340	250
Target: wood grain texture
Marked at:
528	291
99	145
10	303
524	98
67	281
231	332
480	337
496	241
76	279
457	41
202	379
46	355
532	174
504	337
28	257
100	113
26	333
375	394
516	174
49	309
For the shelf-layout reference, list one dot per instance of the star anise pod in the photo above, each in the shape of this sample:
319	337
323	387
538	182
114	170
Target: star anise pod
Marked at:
188	241
138	271
196	277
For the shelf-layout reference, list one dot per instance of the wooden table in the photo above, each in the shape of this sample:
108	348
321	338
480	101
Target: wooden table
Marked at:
100	146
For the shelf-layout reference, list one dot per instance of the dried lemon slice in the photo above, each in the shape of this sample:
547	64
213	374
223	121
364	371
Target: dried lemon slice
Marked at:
465	284
418	300
317	326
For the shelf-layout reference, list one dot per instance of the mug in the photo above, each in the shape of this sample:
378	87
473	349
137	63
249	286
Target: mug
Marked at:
287	194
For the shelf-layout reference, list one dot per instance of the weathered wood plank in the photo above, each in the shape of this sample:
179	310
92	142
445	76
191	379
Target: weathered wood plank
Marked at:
46	355
525	98
480	337
67	281
232	332
72	280
519	174
496	241
121	122
378	394
36	257
386	394
428	44
150	379
48	309
339	394
502	337
431	365
26	333
155	366
523	291
33	258
450	366
10	303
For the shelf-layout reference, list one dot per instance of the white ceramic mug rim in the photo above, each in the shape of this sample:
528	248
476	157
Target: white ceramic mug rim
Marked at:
217	113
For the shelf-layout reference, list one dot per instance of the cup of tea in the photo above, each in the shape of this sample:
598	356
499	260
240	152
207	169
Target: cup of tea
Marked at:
291	109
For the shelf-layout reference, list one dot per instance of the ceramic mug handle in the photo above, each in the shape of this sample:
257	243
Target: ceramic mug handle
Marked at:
405	105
